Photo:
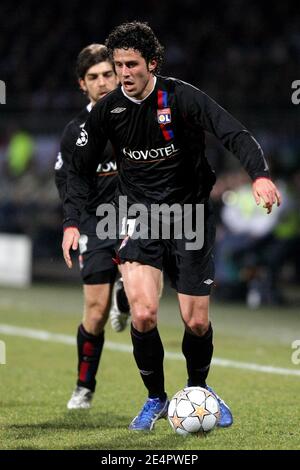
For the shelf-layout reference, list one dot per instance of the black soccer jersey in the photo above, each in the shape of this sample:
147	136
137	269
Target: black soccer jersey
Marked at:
105	175
160	146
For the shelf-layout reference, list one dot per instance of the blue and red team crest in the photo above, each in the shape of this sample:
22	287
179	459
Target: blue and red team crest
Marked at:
164	116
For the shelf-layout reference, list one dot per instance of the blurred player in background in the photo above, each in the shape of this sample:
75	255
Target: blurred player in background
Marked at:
158	134
96	77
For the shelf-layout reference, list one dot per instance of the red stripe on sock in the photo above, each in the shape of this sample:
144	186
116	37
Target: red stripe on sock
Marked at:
88	348
84	368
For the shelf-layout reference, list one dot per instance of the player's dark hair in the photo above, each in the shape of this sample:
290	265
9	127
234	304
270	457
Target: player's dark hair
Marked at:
138	36
89	56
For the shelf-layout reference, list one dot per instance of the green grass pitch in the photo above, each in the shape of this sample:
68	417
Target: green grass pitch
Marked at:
38	378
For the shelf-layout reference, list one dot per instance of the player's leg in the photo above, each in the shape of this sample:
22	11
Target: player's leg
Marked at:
98	274
97	299
143	285
120	311
161	286
197	344
90	341
193	279
191	273
197	347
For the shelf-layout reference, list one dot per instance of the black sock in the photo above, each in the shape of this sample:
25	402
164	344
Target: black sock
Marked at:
89	349
148	352
198	351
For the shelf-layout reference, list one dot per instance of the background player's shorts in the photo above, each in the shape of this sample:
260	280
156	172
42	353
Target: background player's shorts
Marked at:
96	256
191	272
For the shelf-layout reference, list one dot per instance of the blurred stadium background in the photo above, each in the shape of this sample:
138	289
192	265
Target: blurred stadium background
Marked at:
243	54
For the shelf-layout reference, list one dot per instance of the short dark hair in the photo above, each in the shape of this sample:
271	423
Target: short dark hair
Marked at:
89	56
139	36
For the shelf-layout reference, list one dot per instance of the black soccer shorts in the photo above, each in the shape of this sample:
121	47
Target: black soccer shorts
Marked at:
191	272
96	256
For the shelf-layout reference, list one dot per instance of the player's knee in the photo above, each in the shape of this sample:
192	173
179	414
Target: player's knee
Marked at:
95	310
94	318
196	317
144	316
198	326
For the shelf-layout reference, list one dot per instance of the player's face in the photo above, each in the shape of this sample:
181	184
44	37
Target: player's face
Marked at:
134	73
99	80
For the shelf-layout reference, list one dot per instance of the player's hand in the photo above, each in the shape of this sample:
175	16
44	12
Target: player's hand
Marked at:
70	240
265	190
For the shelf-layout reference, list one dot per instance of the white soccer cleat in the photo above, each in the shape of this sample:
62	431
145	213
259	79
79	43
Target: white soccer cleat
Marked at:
119	312
81	399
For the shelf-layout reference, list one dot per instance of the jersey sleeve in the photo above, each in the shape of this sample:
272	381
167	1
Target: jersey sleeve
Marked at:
201	110
88	153
64	158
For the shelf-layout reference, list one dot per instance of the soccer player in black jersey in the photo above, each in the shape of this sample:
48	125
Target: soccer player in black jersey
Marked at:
97	77
157	127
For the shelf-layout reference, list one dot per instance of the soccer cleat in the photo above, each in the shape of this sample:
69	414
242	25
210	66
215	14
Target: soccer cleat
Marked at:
119	312
81	399
226	418
153	409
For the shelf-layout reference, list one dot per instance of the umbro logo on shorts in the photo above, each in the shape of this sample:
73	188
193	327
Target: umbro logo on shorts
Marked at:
117	110
208	281
146	372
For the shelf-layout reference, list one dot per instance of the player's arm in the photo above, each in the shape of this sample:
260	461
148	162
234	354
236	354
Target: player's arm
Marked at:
81	178
204	111
64	157
62	164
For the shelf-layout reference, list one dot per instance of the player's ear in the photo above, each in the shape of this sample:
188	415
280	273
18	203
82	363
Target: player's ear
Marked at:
152	65
82	84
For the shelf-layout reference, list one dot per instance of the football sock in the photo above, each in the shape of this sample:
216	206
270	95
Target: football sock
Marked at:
148	352
198	351
89	349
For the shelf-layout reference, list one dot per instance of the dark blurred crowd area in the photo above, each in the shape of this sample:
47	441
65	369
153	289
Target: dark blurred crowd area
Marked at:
243	54
240	52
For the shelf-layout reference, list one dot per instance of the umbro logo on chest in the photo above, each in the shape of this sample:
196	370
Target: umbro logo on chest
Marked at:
117	110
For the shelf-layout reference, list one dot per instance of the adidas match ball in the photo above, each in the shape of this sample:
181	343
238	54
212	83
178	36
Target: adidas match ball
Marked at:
193	410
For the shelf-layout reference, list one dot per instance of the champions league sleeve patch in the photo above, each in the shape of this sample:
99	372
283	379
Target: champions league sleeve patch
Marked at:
82	138
59	162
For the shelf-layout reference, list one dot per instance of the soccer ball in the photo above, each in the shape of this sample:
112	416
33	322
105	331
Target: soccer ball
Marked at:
193	410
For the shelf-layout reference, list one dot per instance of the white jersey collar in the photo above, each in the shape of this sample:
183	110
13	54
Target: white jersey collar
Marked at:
134	100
